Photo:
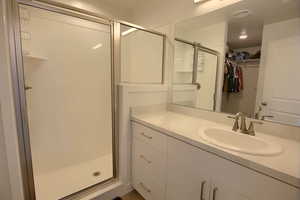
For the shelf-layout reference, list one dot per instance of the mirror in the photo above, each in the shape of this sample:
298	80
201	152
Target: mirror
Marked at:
142	54
241	58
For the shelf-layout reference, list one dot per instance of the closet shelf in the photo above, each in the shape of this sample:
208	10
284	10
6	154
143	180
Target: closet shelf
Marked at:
249	61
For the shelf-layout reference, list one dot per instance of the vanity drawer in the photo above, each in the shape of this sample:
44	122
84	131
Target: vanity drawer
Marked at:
156	139
153	162
148	171
148	189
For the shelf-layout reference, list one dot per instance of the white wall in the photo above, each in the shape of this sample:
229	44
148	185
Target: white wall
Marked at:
141	57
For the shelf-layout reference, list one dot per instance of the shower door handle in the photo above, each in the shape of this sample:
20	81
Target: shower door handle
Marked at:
198	85
27	87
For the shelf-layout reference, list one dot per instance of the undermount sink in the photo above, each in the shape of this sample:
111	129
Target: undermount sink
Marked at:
240	142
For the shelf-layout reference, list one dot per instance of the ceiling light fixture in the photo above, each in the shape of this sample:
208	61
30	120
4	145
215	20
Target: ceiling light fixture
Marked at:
128	31
243	36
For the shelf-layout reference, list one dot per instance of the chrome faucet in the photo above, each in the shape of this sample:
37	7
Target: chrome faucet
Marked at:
243	128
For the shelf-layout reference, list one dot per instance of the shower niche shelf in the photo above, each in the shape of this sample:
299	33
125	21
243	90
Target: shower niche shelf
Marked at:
33	56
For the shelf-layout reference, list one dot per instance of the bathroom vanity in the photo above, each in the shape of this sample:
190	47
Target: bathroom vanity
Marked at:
171	160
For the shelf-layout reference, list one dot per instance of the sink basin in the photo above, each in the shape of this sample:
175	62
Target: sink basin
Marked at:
240	142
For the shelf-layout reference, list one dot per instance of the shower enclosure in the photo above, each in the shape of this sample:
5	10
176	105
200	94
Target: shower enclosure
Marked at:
65	66
66	99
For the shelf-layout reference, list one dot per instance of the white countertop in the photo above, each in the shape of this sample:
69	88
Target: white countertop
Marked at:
284	167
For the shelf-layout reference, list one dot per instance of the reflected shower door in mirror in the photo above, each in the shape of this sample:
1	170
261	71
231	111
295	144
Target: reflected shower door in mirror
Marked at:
194	77
259	45
142	55
68	86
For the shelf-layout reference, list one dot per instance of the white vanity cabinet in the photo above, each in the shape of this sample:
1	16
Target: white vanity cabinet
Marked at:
180	171
197	174
149	162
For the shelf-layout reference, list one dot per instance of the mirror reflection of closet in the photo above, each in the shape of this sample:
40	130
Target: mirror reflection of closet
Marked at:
241	69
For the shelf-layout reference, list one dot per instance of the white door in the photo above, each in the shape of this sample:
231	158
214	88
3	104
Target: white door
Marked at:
280	54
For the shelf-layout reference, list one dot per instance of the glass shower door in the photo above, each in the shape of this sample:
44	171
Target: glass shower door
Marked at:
68	86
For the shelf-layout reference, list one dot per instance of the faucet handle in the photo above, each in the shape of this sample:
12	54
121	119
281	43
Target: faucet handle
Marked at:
235	125
236	122
231	117
251	130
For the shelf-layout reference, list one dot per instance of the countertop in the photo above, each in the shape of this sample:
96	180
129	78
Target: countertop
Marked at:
284	167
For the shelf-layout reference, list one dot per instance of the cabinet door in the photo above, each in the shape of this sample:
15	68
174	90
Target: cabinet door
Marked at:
187	177
232	181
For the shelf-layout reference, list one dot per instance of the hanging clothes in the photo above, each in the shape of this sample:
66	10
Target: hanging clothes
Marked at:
233	77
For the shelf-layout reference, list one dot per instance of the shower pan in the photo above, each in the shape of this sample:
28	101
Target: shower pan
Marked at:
65	77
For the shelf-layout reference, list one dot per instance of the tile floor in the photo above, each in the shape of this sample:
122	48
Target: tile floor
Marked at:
132	196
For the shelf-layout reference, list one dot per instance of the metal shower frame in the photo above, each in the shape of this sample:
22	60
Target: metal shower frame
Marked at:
197	47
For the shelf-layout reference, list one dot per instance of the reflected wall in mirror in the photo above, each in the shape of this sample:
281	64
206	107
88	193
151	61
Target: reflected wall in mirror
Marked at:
258	43
142	55
194	75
